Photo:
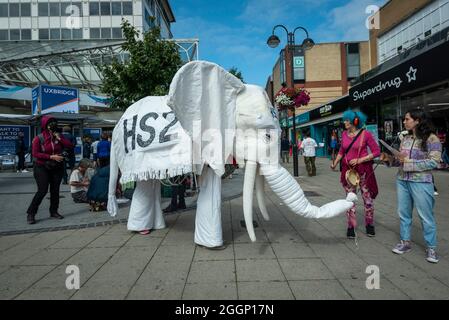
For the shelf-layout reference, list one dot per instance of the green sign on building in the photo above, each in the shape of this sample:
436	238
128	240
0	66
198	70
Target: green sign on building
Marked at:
298	62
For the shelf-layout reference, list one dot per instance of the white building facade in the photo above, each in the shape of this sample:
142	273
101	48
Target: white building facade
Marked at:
76	20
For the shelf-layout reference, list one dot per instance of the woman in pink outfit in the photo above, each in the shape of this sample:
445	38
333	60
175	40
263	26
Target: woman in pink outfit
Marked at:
354	154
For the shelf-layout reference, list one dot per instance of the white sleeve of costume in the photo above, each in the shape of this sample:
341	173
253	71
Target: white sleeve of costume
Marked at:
208	231
145	212
113	175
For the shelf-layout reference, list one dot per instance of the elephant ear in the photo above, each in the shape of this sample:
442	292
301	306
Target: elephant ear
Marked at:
203	96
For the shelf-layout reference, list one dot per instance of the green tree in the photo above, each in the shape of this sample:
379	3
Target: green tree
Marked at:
148	71
236	73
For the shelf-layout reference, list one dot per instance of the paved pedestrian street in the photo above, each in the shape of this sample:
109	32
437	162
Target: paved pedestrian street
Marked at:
293	258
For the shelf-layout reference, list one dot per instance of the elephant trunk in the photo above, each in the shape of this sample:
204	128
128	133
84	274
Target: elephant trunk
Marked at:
286	187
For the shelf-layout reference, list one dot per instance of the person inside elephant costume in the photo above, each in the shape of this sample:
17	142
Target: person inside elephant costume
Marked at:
225	118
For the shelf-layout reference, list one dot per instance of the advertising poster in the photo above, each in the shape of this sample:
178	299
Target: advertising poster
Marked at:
9	135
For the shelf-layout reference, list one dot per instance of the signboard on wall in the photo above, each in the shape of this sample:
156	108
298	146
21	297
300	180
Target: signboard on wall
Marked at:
9	134
48	99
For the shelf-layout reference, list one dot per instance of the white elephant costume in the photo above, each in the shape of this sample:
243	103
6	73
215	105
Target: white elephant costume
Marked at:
148	145
235	119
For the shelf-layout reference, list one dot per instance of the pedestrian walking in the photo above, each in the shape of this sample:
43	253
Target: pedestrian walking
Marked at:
333	145
357	161
48	169
69	159
21	150
309	146
285	149
104	150
420	153
87	143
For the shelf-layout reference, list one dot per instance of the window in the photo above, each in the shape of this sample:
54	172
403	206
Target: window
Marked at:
94	8
43	9
105	8
25	9
353	60
117	33
4	35
66	9
282	67
299	65
106	33
152	6
43	34
66	34
14	34
127	8
77	33
95	33
3	10
116	8
77	9
55	34
54	9
14	10
26	34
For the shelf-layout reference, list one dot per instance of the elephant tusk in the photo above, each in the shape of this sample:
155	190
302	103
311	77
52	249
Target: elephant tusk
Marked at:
260	195
248	190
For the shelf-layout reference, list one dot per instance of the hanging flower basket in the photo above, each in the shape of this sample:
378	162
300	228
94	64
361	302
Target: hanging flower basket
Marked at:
289	98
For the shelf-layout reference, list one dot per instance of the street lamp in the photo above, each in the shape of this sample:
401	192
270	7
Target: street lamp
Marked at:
273	41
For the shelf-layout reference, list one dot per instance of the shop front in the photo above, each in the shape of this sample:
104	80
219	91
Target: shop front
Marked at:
420	79
325	120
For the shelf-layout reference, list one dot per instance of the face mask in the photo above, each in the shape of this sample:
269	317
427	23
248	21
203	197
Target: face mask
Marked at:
53	126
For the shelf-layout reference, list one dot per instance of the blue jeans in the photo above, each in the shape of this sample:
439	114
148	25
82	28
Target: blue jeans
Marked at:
417	194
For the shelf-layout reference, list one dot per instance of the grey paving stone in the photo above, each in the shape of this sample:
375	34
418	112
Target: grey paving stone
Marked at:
212	272
254	251
48	257
305	269
7	242
138	240
259	270
123	269
267	290
80	238
96	292
110	240
181	251
284	237
15	256
157	290
292	250
203	254
318	290
17	279
210	291
357	289
243	237
422	288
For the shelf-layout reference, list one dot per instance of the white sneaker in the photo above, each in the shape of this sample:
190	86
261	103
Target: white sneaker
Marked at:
435	193
25	170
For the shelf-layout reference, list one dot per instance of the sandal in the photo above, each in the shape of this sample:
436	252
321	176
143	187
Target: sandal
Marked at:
144	232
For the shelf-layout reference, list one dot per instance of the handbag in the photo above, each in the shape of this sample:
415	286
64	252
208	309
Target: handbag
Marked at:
52	164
